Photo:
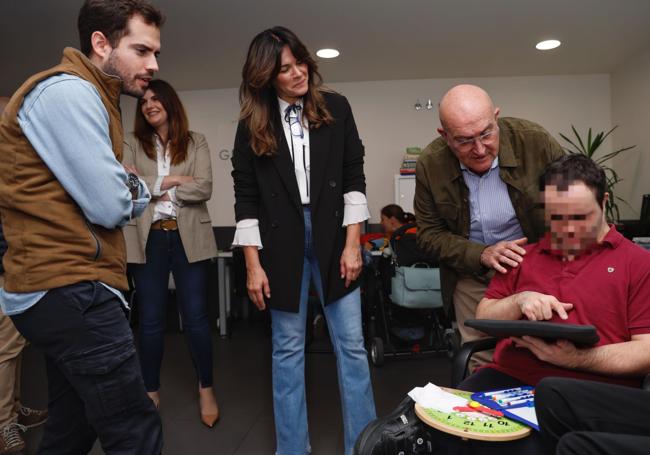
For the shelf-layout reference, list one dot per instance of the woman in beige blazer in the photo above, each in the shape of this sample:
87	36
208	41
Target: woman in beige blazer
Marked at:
173	234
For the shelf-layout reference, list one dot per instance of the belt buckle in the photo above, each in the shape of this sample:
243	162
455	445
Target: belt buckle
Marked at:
165	222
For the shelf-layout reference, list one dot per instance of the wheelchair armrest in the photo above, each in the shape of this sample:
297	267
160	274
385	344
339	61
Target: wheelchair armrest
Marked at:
460	361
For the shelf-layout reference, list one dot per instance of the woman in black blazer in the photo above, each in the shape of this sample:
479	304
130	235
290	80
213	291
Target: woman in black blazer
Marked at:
299	202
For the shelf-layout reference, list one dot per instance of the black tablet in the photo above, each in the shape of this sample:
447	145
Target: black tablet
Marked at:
584	335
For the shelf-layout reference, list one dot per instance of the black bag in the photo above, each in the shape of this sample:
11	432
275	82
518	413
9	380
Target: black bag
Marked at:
399	433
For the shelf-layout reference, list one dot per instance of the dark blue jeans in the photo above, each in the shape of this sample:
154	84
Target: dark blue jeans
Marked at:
164	253
94	383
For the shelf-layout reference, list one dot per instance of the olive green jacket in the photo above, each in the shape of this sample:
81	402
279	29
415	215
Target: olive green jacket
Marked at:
442	199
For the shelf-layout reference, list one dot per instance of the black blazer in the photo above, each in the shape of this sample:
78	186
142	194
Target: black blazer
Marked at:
266	189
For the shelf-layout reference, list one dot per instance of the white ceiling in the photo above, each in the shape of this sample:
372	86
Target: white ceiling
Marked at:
205	42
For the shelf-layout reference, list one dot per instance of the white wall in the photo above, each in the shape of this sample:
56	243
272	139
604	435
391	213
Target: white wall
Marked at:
631	111
388	123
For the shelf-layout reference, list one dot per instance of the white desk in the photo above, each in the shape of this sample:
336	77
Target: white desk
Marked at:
223	270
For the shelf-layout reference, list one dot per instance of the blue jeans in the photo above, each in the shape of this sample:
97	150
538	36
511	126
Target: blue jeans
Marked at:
94	384
165	252
344	322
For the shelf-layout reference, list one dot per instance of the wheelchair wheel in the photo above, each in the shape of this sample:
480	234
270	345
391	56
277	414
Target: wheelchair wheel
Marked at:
452	342
377	351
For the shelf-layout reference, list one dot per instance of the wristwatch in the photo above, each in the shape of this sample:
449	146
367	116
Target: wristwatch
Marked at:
133	183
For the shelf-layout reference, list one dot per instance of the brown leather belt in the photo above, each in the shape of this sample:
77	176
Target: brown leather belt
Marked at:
167	224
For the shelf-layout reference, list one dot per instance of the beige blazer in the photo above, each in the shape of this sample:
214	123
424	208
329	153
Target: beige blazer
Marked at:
194	222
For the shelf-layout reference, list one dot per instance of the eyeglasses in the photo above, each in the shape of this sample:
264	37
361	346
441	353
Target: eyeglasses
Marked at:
292	117
485	138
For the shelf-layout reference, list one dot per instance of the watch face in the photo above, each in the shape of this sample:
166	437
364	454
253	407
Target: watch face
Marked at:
133	182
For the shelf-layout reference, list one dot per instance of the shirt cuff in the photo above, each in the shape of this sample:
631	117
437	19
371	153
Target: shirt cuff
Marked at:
142	201
355	209
247	233
172	197
156	187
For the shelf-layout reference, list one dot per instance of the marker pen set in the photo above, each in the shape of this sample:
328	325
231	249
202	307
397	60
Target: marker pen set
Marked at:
513	397
517	403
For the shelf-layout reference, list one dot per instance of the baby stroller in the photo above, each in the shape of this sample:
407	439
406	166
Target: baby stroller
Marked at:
404	314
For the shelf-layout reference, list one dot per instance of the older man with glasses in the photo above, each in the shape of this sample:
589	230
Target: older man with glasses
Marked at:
476	197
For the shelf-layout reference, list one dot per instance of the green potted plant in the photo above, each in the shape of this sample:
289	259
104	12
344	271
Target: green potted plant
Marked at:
588	146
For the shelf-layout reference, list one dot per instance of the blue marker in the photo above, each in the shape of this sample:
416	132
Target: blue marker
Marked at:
530	402
504	397
510	393
506	393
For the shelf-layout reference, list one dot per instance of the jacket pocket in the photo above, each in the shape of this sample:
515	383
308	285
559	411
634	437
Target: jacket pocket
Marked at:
201	211
98	245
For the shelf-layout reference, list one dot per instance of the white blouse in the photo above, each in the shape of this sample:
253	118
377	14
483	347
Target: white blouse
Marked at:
247	232
163	209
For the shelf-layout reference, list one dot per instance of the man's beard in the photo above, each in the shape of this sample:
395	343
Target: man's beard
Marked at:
129	85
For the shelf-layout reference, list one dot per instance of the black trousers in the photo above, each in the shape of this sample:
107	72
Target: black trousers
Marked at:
583	417
94	382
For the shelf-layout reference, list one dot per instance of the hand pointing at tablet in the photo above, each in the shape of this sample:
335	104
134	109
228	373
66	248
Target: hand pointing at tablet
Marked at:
540	307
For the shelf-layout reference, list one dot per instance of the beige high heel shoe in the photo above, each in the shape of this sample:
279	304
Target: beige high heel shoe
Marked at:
155	397
209	419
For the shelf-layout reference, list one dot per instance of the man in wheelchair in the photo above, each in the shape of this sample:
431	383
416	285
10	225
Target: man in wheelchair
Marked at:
582	272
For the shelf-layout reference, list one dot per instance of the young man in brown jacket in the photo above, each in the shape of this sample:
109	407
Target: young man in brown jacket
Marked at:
63	197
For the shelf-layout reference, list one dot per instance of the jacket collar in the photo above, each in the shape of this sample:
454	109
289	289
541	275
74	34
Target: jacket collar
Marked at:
283	164
111	85
506	155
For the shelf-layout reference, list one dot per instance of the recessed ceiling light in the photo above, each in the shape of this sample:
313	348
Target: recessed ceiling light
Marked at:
548	44
328	53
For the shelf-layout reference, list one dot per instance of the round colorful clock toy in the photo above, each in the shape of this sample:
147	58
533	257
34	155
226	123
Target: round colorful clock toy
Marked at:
473	421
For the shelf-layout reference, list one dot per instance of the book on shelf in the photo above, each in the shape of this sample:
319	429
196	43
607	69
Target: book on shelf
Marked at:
409	160
407	171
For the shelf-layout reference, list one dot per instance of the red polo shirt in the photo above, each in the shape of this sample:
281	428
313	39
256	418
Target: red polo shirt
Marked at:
609	288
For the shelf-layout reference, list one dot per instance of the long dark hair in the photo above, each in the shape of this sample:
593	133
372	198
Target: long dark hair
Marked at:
395	211
258	97
179	134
